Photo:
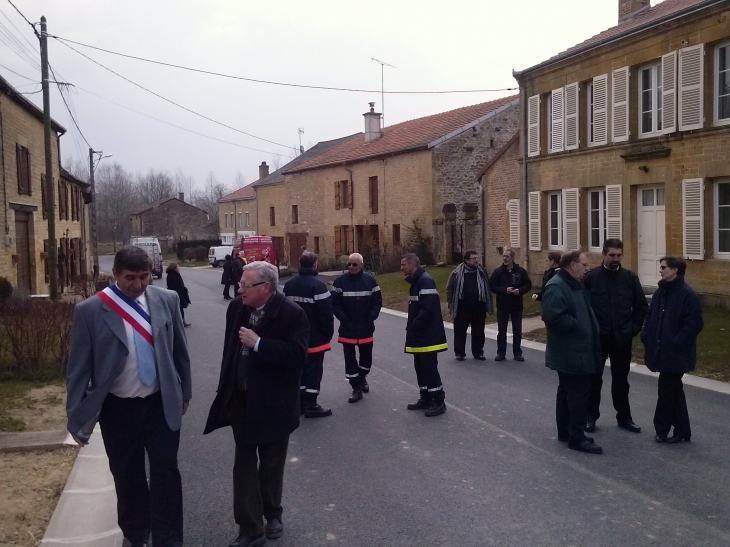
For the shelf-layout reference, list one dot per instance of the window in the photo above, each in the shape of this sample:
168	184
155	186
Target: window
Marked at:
396	235
373	187
722	218
590	118
343	194
316	245
23	159
248	223
722	86
555	220
650	100
596	219
240	218
295	214
272	217
345	240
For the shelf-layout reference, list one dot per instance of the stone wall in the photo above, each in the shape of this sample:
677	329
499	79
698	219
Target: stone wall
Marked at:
235	207
175	220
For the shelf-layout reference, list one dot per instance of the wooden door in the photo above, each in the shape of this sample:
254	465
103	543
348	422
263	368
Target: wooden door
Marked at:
22	249
652	236
296	242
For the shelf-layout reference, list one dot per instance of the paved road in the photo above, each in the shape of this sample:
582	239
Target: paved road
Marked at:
488	472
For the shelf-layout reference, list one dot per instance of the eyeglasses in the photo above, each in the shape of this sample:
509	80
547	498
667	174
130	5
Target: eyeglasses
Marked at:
353	264
246	287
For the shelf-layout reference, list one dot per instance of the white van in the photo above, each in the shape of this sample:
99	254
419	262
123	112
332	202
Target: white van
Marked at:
152	246
217	255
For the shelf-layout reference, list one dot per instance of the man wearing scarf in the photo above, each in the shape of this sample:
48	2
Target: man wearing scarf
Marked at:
470	300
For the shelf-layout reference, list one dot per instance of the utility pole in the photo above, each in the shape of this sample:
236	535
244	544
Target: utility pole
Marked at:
382	86
94	236
50	201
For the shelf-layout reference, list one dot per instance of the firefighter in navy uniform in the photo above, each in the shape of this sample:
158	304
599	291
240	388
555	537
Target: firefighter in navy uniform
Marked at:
425	336
312	295
356	301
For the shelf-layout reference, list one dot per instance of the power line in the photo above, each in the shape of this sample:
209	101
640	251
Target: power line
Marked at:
181	67
19	74
16	28
26	19
67	107
173	102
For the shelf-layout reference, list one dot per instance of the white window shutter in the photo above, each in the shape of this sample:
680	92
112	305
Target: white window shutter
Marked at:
691	76
669	92
534	221
693	212
613	211
571	219
600	109
620	105
513	212
558	120
533	126
571	116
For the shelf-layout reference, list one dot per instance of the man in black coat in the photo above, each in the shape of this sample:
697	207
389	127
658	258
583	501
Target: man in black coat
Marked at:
312	295
258	396
509	282
227	278
237	268
620	306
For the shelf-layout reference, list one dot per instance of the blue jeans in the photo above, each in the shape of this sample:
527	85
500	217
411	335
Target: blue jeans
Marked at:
503	316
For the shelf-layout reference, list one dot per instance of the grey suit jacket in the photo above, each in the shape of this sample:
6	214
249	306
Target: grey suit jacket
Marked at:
98	350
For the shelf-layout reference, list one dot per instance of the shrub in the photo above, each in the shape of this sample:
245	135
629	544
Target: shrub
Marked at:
420	244
6	289
182	246
200	253
189	254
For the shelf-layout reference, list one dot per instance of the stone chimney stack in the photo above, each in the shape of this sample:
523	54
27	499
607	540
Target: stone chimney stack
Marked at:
631	8
263	170
181	196
372	124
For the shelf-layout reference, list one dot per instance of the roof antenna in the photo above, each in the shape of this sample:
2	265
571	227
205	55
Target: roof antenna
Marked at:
301	148
382	88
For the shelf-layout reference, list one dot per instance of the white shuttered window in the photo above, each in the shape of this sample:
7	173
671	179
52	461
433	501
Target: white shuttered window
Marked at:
534	221
513	214
691	76
533	126
556	120
599	121
669	92
613	211
620	105
571	116
693	212
571	219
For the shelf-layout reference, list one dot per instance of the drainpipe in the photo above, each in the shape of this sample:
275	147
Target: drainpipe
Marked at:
525	223
483	208
352	221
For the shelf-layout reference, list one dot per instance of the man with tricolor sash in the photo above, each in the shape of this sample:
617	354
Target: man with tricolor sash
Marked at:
356	301
425	335
129	369
312	295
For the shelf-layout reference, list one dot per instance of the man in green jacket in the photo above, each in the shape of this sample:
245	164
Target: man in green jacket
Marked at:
573	348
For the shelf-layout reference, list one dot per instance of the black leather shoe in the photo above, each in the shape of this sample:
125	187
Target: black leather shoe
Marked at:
129	543
420	404
480	357
274	528
660	438
460	356
246	541
315	411
590	425
500	358
365	387
629	425
438	407
674	439
356	396
587	446
519	358
566	438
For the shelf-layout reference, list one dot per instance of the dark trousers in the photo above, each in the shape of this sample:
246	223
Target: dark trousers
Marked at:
258	475
571	406
620	366
227	290
130	427
671	406
182	311
311	378
356	372
473	317
503	316
428	377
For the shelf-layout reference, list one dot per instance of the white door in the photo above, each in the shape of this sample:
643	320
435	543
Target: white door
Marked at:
652	237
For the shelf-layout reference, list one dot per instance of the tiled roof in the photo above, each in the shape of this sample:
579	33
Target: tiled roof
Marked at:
408	135
162	202
247	192
646	19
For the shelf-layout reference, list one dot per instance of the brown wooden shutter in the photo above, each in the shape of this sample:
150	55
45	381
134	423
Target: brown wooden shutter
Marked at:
350	239
19	163
374	195
338	241
349	194
65	199
45	260
337	195
60	202
44	202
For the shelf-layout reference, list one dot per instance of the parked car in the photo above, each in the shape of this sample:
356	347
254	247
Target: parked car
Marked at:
217	255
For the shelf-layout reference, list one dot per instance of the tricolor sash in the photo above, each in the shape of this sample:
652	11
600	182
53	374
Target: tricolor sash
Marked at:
129	310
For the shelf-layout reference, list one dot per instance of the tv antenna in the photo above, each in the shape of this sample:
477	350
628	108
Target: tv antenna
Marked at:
382	64
301	148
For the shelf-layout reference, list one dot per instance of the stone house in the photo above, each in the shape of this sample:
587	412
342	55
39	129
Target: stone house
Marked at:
25	208
172	219
237	213
628	135
370	190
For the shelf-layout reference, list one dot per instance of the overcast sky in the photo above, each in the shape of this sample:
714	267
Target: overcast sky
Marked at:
434	45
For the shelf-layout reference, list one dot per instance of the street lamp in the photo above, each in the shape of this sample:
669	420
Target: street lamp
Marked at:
94	236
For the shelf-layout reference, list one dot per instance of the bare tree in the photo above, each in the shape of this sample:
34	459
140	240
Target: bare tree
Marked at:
116	198
207	199
240	180
275	162
155	186
77	168
183	183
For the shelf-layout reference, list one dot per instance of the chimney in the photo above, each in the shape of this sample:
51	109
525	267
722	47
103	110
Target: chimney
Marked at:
631	8
372	124
181	196
263	170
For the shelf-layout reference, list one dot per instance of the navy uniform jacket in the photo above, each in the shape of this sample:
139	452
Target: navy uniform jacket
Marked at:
425	328
356	301
312	295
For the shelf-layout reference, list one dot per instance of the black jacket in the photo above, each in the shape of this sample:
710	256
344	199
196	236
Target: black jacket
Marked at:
273	373
356	301
175	283
425	328
547	275
227	275
618	302
314	298
670	332
237	265
516	278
